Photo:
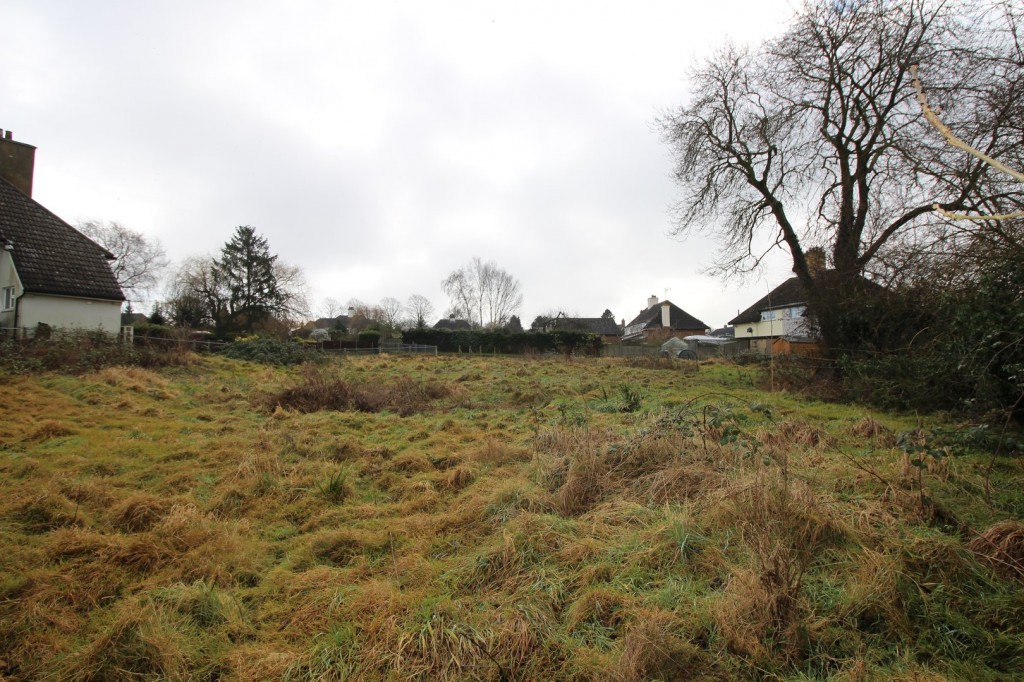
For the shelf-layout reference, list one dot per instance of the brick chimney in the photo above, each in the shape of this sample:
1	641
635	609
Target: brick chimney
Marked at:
17	161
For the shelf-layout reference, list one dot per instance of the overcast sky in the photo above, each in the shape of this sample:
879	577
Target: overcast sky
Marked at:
380	145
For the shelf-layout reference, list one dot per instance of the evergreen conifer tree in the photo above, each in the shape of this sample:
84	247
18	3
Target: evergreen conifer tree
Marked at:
245	270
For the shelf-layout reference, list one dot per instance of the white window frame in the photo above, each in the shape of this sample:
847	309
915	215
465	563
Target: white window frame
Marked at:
8	298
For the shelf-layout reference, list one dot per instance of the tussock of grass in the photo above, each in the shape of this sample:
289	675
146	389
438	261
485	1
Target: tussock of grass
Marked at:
653	649
51	428
139	512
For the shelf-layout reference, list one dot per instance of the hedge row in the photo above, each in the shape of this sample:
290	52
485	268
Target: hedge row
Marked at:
500	341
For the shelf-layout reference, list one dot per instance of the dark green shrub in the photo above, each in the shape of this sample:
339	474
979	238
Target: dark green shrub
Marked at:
369	338
271	352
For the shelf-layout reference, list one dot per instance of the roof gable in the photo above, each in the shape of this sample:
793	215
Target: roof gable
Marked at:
791	292
678	318
52	257
452	325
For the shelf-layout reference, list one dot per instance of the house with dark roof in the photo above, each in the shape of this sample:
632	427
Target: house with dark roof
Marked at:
50	273
452	325
605	327
781	321
781	313
338	322
660	321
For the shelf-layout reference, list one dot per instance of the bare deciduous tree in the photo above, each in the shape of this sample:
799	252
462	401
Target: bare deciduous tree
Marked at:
138	262
485	293
295	300
330	307
419	309
815	139
389	312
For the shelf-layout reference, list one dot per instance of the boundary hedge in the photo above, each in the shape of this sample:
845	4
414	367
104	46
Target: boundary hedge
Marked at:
500	341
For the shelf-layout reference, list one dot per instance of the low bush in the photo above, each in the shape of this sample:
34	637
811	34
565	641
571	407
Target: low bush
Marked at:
271	352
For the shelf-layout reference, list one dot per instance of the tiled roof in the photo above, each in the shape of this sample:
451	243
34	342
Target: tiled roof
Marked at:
452	325
595	325
52	257
678	318
331	322
790	292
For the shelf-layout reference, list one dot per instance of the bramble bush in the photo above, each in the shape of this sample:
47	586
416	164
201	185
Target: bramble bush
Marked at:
80	351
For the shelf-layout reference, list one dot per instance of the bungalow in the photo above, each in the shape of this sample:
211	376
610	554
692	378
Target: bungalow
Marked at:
605	327
50	273
659	321
452	325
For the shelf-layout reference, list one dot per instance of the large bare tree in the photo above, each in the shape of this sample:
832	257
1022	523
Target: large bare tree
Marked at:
139	261
815	139
484	293
419	309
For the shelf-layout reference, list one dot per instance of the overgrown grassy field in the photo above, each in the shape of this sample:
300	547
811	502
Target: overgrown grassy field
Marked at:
495	518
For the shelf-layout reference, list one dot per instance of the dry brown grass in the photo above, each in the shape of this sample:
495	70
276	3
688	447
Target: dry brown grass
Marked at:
51	428
784	526
496	453
141	643
583	484
785	435
602	606
652	649
342	546
1001	547
320	388
136	380
746	614
460	477
139	512
492	541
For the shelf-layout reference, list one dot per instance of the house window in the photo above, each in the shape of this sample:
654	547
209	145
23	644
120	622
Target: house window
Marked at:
8	298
